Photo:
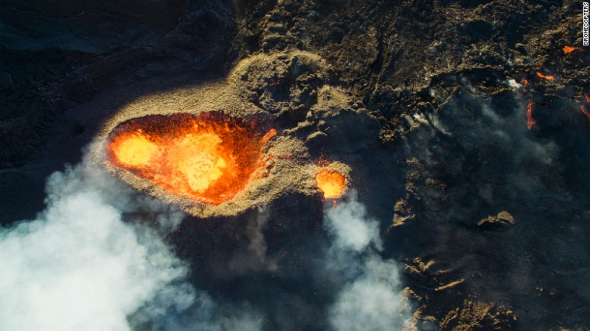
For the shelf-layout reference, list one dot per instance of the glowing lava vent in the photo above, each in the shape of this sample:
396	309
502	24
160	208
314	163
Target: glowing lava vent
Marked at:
208	158
567	50
331	183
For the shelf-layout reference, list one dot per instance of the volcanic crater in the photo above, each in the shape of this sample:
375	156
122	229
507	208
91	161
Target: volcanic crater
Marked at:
221	163
208	157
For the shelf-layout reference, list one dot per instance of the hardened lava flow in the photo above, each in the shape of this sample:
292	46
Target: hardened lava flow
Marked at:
208	157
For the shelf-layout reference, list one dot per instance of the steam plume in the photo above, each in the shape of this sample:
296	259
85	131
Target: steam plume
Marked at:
79	266
370	298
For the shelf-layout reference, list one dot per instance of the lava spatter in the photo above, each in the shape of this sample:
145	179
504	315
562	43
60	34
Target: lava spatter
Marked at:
208	158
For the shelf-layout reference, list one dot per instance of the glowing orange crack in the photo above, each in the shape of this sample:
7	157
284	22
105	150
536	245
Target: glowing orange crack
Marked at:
548	77
268	136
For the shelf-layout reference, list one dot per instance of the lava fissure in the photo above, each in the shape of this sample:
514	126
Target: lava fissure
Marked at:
547	77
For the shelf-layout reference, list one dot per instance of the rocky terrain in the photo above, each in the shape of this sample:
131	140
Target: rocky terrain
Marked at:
460	124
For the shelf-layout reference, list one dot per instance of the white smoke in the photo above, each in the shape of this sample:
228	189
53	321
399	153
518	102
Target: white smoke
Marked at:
350	227
371	297
80	266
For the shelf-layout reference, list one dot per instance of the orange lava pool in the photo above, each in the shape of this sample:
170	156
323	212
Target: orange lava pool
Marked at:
208	157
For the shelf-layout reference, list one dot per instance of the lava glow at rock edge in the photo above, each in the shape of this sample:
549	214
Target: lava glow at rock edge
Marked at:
331	183
569	49
547	77
529	114
208	158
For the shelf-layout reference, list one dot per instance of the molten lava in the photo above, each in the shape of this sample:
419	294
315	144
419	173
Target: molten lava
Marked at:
548	77
529	114
134	149
332	183
568	49
268	136
208	158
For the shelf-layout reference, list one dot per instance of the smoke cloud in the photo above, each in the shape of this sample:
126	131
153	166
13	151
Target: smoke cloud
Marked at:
351	229
370	297
87	263
487	142
97	259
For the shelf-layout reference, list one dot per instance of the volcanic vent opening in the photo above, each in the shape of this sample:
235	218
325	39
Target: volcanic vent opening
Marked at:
331	183
208	157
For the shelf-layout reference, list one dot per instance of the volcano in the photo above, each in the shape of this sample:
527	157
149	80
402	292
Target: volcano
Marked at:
316	161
